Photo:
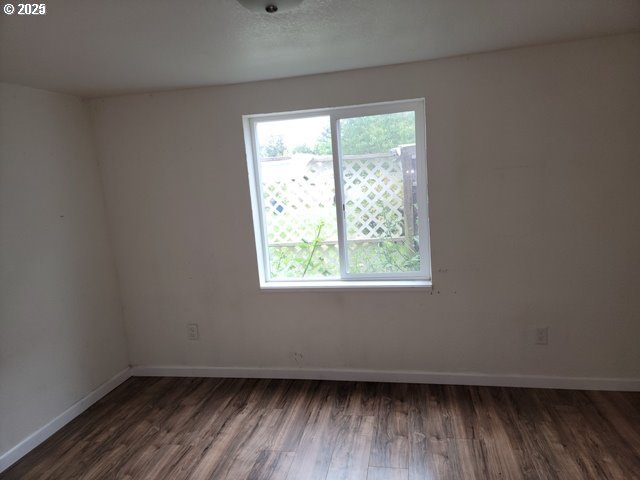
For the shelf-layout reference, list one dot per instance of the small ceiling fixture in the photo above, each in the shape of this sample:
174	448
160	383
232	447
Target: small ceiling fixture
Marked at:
269	6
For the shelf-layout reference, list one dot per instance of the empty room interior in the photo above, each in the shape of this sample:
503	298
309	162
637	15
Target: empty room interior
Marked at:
320	239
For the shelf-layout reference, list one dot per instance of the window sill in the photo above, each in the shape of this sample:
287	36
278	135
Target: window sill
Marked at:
344	285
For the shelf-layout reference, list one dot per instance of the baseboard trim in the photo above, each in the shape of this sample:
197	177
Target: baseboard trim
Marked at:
14	454
395	376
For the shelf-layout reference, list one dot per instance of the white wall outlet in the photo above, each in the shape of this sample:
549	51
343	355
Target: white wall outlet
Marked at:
192	331
542	336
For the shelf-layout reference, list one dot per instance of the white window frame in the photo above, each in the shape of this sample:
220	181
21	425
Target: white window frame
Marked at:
420	279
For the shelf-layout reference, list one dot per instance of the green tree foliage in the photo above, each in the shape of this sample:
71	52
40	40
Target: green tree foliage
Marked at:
323	144
273	148
372	134
302	149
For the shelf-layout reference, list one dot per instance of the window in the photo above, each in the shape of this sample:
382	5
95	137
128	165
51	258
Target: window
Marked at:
339	196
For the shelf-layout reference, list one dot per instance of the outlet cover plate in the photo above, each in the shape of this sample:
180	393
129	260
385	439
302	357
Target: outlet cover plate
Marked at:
192	331
542	336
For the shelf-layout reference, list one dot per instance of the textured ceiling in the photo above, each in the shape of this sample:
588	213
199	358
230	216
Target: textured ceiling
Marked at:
104	47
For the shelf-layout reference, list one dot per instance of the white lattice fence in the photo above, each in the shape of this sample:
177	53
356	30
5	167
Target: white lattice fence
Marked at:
373	187
380	212
297	202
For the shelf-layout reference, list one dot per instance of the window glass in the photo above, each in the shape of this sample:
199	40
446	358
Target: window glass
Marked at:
378	159
340	194
298	197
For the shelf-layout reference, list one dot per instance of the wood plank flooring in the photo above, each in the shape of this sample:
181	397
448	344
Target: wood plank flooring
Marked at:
227	429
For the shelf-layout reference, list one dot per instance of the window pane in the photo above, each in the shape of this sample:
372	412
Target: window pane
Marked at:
298	197
380	195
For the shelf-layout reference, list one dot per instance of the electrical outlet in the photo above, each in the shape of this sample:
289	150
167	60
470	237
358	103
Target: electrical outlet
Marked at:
192	331
542	336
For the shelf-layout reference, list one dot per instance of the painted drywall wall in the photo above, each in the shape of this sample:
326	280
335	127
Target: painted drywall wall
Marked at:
533	161
61	327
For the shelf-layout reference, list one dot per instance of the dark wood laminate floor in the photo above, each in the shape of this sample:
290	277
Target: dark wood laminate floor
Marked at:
196	428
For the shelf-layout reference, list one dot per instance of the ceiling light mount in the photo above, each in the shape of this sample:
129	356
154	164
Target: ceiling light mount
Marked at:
269	6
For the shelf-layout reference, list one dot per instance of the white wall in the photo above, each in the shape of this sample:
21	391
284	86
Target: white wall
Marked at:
61	327
534	161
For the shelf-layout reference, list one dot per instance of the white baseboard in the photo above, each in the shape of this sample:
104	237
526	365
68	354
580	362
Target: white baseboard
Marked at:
395	376
9	457
12	455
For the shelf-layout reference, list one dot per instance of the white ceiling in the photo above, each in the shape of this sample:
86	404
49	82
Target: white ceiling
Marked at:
103	47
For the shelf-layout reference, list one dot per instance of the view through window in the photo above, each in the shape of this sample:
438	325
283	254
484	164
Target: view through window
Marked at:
341	193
